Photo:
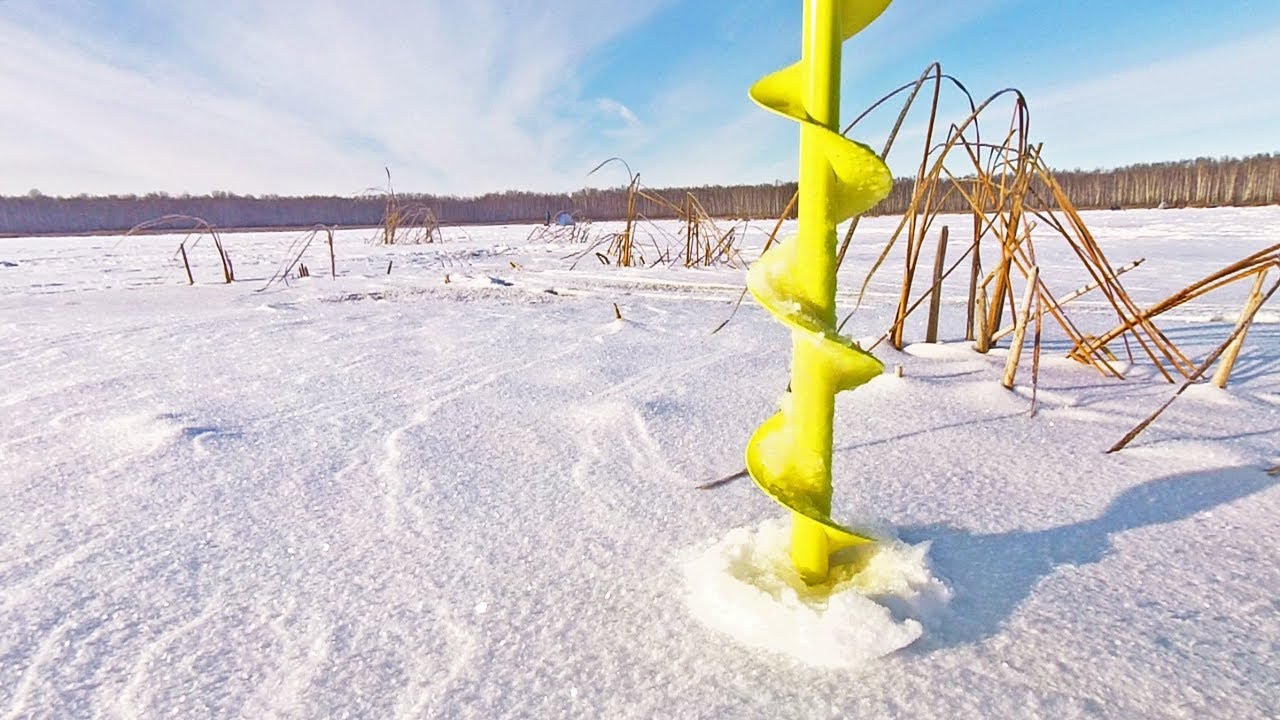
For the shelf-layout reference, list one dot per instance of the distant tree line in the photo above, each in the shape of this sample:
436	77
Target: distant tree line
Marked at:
1203	182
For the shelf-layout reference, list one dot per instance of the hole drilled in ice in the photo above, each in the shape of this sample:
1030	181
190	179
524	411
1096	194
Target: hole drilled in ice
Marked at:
746	587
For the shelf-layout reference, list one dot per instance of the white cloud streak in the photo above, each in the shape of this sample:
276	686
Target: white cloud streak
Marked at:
294	96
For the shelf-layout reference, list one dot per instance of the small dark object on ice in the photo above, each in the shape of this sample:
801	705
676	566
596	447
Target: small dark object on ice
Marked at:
1274	472
722	481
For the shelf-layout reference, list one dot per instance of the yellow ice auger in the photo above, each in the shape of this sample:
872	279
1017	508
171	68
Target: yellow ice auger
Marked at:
789	456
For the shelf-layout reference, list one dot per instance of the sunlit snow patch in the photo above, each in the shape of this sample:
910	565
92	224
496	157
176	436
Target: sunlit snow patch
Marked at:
746	587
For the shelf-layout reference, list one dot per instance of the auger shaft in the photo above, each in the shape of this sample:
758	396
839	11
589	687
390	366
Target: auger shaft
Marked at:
789	455
813	399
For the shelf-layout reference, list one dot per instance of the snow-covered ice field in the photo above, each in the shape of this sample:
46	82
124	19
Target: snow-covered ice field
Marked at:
391	496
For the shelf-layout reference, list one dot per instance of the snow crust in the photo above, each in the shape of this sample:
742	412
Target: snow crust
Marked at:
466	490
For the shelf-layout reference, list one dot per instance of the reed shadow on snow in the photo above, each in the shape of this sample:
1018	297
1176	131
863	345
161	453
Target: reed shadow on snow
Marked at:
993	574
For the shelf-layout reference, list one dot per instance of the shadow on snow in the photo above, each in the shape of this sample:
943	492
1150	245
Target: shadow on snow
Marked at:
992	575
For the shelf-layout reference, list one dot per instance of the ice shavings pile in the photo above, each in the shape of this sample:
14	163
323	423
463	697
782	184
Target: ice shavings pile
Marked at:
746	587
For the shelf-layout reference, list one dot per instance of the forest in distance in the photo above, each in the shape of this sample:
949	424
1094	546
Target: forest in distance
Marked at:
1202	182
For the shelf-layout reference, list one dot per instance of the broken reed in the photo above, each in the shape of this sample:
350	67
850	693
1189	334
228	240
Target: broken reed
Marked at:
1232	273
1252	306
198	228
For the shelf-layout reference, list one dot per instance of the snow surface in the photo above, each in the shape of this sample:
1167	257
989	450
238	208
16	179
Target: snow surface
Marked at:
392	496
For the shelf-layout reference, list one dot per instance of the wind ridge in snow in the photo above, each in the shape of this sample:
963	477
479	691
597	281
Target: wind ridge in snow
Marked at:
746	587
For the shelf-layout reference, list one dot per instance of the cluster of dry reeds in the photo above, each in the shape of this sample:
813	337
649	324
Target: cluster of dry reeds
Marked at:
406	223
703	243
1010	192
1015	202
198	229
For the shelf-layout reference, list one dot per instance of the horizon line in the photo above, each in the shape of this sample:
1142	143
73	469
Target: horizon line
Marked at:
376	192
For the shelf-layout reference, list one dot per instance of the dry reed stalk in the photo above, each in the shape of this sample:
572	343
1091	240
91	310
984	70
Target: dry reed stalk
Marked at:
983	338
1251	306
391	214
722	481
983	180
200	228
1086	248
773	235
691	238
405	224
621	246
1035	355
725	249
1020	334
1095	359
297	249
928	294
916	231
700	232
333	262
1003	198
1038	296
975	272
935	300
1128	438
922	193
578	232
1074	294
389	267
183	250
1224	276
1009	239
628	234
933	70
1023	261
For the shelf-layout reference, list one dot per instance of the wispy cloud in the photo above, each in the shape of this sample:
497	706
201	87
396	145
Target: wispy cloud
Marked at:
301	96
294	96
616	111
78	124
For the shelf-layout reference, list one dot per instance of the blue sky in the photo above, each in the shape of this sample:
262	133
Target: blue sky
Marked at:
463	97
